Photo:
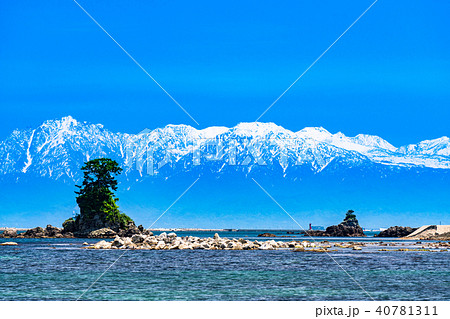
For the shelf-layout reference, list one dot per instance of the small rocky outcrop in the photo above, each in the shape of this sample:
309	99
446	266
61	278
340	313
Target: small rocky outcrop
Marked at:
37	232
396	231
51	231
102	233
9	233
267	235
97	227
348	228
342	230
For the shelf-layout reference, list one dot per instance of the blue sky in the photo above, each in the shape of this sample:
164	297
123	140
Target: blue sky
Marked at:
227	61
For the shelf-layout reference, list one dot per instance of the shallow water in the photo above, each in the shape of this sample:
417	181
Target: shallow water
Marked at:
57	269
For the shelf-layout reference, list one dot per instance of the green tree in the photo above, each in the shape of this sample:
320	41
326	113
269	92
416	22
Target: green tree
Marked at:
96	193
349	215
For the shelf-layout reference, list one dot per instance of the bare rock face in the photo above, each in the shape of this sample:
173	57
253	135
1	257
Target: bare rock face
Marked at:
396	231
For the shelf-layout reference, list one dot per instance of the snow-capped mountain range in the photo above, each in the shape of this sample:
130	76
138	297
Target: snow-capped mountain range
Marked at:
58	148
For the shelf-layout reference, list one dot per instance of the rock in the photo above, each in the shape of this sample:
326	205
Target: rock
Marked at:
267	235
85	244
151	241
160	245
348	228
338	231
343	230
216	237
147	232
444	236
316	233
184	246
138	238
69	226
162	236
67	235
172	235
51	231
130	230
266	246
37	232
117	242
9	233
102	233
396	231
356	248
82	225
10	243
102	245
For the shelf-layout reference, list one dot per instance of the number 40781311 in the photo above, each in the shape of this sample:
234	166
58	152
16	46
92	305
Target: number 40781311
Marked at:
407	310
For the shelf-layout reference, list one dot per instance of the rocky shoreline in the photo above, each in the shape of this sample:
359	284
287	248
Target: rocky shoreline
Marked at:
55	232
172	241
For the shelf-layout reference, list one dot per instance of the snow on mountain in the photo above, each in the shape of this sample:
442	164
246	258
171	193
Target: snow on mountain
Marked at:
58	148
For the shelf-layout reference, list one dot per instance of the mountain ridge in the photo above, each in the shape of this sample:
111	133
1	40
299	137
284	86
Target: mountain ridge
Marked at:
57	149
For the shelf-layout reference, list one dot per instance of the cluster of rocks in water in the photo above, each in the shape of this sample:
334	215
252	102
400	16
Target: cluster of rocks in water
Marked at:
396	231
37	232
55	232
171	241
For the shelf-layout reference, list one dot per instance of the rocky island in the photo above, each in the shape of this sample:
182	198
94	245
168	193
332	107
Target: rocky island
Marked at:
348	228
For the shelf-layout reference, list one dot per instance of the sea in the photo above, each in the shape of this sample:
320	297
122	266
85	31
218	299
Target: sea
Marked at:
58	269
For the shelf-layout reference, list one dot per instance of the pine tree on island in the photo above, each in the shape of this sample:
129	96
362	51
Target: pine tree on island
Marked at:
350	219
97	201
348	228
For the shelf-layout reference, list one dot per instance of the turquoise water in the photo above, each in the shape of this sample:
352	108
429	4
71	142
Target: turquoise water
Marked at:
57	269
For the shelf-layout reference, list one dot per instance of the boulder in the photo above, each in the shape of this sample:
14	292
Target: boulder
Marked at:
37	232
267	235
9	233
68	235
117	242
51	231
10	243
266	246
162	236
138	238
396	231
102	233
102	245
